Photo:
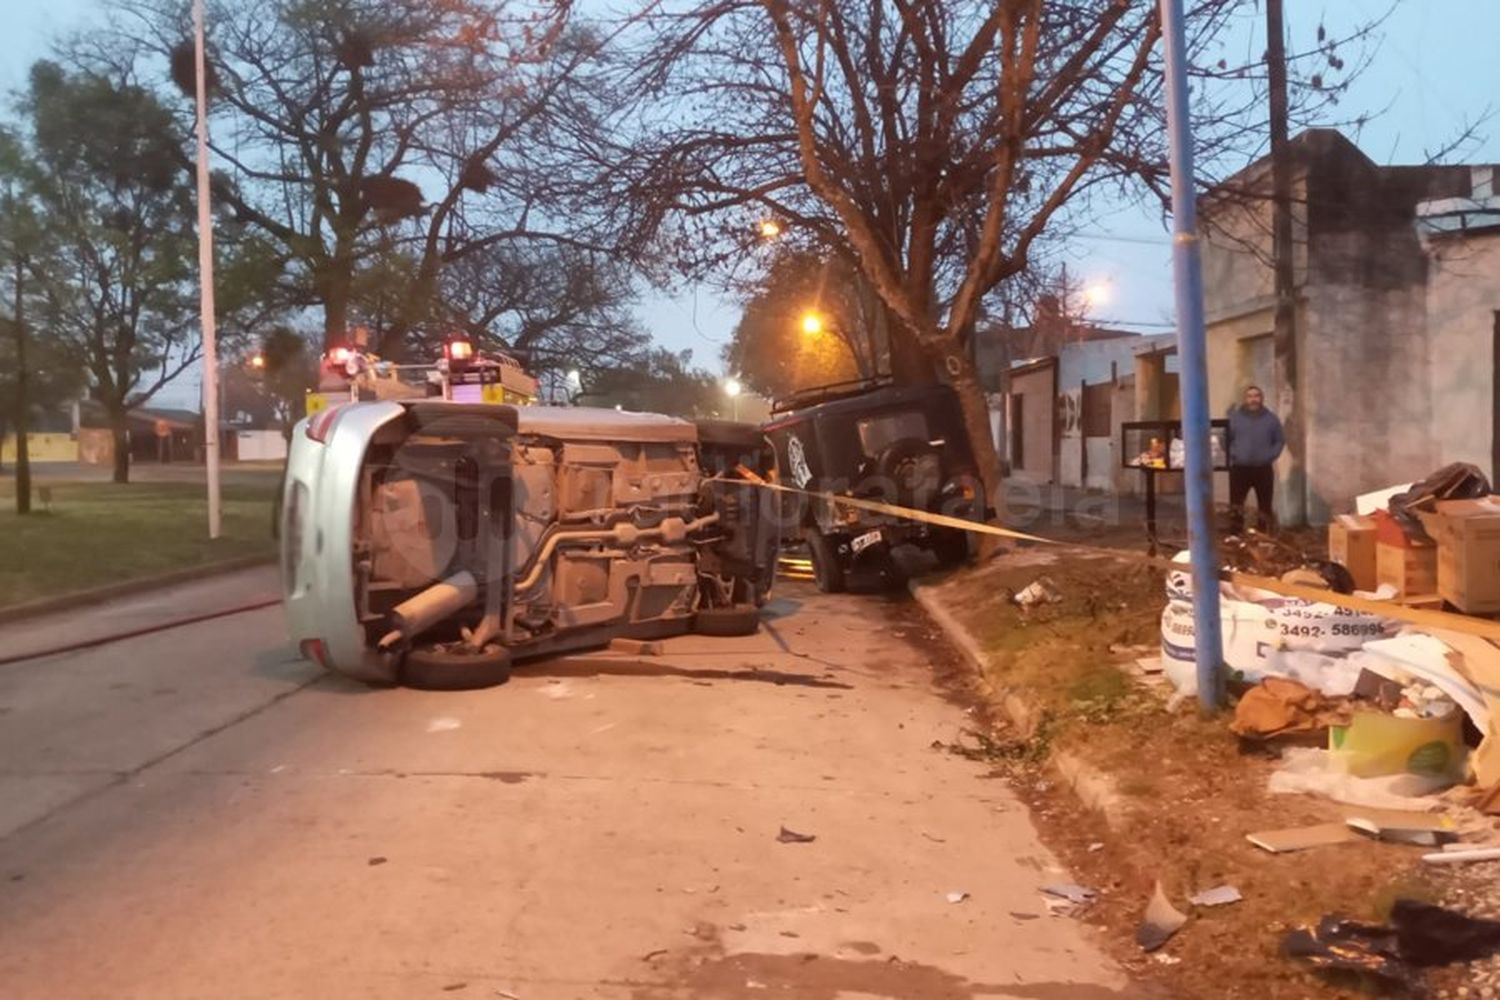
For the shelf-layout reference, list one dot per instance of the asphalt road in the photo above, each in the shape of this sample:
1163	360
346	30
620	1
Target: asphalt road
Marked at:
197	813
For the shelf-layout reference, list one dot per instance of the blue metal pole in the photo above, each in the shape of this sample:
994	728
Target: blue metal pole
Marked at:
1192	355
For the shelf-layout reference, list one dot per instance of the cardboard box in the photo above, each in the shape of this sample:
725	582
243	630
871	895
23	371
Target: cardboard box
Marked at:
1411	569
1468	565
1351	544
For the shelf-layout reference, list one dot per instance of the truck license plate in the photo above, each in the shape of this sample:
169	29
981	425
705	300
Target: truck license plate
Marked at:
862	542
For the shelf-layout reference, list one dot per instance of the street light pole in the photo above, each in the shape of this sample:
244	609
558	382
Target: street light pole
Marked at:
206	284
1192	354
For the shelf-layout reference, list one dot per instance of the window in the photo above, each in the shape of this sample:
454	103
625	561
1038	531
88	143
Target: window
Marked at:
878	433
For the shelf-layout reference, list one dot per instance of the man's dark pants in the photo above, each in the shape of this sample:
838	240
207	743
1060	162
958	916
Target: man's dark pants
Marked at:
1243	479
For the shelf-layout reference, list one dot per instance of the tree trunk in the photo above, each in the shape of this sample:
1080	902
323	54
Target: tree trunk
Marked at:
1291	499
909	363
335	314
119	425
976	413
23	404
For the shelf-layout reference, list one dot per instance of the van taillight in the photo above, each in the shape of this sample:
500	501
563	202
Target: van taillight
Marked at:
321	424
313	649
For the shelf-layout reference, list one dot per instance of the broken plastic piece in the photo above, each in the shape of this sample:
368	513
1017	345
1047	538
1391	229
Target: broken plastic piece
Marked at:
957	896
1221	895
1072	892
1459	857
793	837
1160	922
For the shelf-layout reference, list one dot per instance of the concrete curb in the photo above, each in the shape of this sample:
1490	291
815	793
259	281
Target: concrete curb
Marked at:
127	588
1094	788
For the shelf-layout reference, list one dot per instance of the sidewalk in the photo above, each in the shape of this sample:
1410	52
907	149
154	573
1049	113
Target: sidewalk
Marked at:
152	606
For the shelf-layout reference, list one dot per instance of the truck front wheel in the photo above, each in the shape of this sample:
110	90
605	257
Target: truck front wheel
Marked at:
828	569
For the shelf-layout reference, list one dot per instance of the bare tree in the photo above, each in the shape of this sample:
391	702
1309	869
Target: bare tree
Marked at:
936	144
775	354
558	308
374	143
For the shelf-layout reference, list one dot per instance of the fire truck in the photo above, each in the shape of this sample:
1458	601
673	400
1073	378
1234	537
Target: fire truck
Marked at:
462	374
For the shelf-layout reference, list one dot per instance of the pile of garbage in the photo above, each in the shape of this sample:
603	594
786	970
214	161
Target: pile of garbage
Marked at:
1410	708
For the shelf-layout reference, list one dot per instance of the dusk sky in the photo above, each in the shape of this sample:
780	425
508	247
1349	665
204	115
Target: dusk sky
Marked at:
1435	69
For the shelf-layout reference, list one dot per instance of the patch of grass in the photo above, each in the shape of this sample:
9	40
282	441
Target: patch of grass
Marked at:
97	533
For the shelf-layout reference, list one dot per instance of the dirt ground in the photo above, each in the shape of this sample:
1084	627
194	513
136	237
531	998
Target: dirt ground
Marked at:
1190	794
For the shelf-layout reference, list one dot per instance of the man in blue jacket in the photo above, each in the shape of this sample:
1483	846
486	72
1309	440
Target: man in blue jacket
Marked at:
1255	442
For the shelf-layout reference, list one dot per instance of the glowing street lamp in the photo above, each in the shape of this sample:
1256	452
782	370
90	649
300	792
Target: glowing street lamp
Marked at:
769	229
732	389
258	362
813	323
1097	294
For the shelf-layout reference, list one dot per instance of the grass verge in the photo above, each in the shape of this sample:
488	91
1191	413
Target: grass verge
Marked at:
95	533
1190	795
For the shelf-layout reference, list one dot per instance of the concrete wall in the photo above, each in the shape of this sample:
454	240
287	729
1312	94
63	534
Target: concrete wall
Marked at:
1038	418
41	448
1365	400
1463	295
253	446
1098	361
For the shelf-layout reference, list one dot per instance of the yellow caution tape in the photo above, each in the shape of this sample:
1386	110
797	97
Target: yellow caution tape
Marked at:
1481	627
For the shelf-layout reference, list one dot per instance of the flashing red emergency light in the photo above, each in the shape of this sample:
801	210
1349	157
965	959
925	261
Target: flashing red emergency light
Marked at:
458	351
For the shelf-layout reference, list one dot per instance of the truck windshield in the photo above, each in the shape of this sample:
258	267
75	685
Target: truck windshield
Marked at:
878	433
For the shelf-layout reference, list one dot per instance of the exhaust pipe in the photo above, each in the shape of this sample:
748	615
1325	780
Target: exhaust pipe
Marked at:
440	601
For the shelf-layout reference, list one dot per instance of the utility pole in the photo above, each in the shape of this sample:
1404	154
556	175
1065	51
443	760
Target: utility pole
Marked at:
23	405
1192	354
1292	497
206	284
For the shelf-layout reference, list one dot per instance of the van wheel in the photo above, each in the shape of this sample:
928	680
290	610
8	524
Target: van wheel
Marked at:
737	619
951	547
438	669
828	572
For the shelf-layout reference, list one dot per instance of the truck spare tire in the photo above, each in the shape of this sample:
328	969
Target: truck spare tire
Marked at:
440	669
740	619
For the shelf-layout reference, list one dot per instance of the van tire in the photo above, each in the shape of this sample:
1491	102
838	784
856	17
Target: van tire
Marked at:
951	546
737	619
442	670
828	571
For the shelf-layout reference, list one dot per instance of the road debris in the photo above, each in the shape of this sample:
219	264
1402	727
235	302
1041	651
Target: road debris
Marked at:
1461	857
793	837
443	725
1221	895
1160	921
1424	829
957	896
1302	837
1040	591
1071	892
377	860
1307	771
1279	706
1420	935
